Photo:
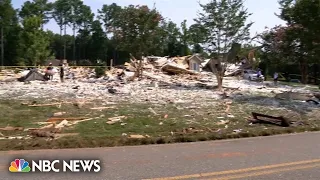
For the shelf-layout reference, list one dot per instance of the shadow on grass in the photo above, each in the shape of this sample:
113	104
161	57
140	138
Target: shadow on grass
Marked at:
86	142
300	107
140	120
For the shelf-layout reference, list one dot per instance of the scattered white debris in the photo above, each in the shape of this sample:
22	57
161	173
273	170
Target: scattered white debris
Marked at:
237	130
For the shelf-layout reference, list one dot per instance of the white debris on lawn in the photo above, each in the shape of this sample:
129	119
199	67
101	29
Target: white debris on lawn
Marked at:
167	90
154	86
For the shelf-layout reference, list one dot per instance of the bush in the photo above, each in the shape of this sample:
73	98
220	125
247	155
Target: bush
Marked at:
100	71
85	62
16	71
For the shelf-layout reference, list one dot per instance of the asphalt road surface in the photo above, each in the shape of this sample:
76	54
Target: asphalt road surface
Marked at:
284	157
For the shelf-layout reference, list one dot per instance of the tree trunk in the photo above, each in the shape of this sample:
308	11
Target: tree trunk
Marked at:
219	76
79	51
65	43
74	43
2	47
266	71
304	71
315	73
60	48
84	51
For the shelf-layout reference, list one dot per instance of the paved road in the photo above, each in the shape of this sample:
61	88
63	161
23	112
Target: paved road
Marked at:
286	157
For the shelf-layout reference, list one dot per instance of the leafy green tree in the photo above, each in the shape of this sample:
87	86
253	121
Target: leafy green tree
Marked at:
185	38
109	15
9	30
197	35
197	49
138	29
301	34
69	41
80	18
159	41
33	42
133	27
98	42
82	40
56	43
172	43
225	24
275	50
41	8
85	19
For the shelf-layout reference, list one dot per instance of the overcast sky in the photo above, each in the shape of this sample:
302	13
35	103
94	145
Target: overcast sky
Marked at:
178	10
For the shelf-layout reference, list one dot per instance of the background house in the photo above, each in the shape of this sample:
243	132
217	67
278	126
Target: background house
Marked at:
55	62
195	62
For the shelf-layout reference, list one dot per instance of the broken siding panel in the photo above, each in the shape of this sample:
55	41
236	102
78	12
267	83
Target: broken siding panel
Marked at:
195	66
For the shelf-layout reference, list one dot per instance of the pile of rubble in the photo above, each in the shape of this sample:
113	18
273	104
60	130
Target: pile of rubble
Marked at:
152	79
156	80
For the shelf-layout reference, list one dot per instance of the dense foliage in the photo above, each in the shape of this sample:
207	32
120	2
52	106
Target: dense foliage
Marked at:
113	33
298	42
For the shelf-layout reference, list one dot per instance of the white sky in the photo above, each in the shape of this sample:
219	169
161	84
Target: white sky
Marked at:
178	10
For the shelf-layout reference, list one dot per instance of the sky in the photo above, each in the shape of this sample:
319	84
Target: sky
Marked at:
263	11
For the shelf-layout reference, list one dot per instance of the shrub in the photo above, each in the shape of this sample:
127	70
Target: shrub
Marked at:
16	71
100	71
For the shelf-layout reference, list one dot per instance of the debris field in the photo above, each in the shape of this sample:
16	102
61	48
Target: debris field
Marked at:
165	91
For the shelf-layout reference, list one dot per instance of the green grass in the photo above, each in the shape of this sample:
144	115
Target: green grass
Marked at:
184	123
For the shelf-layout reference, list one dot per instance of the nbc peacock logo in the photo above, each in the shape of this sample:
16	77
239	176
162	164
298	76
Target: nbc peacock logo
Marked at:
19	165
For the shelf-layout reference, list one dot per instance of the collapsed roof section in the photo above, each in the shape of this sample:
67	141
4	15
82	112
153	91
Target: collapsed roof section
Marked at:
33	75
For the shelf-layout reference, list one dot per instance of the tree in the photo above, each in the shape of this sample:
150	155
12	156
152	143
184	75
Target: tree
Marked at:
40	8
55	43
98	42
133	27
197	35
61	11
159	40
9	30
224	23
139	25
74	19
275	48
185	38
85	19
109	15
33	42
80	15
301	34
171	42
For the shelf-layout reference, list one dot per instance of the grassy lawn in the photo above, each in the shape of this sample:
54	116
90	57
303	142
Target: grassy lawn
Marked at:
158	123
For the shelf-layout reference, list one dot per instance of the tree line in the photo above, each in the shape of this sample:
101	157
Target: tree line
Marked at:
112	33
115	31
